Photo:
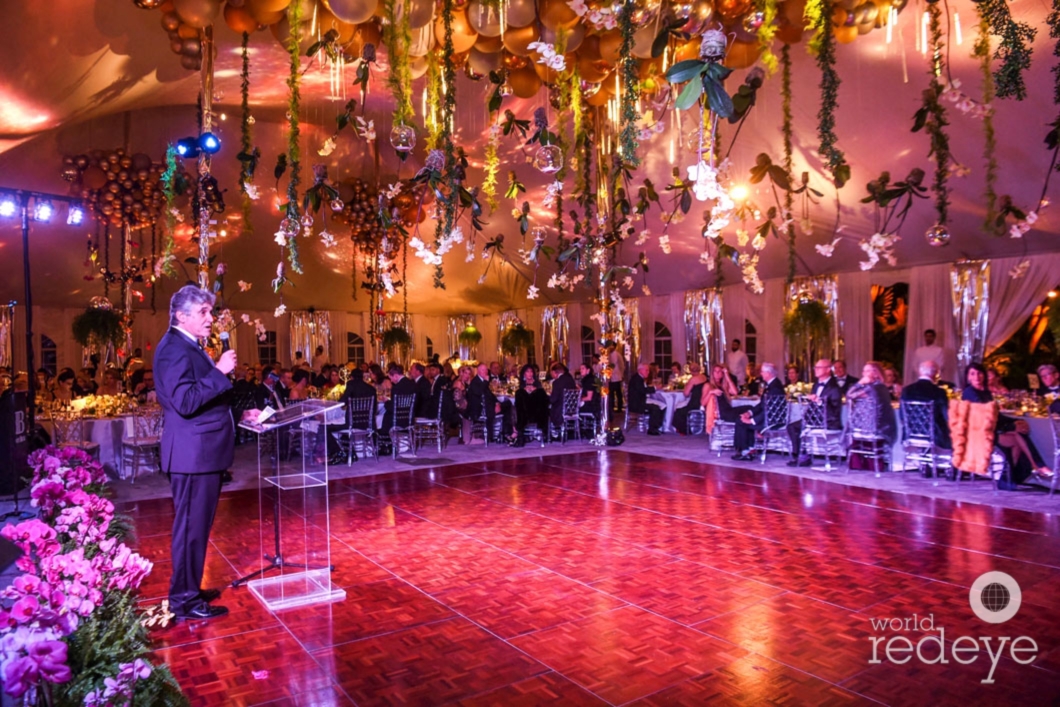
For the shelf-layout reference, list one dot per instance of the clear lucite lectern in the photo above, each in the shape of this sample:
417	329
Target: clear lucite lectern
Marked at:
294	533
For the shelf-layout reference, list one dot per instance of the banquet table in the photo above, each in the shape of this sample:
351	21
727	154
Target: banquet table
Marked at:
107	432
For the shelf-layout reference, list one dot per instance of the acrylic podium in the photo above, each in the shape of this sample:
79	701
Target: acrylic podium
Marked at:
294	534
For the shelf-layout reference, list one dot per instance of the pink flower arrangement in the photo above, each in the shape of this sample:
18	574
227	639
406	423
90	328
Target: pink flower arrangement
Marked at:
69	566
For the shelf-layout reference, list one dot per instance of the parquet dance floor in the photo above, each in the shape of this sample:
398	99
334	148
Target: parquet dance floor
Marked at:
605	577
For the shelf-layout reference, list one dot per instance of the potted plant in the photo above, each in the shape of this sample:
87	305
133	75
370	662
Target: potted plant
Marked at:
516	338
97	328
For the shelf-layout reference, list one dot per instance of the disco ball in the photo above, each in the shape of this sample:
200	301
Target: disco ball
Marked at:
938	236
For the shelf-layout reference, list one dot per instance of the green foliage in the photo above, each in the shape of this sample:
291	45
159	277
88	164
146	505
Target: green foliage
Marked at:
397	37
932	118
516	338
469	336
824	42
982	52
766	31
703	77
806	324
98	328
1014	50
630	87
396	338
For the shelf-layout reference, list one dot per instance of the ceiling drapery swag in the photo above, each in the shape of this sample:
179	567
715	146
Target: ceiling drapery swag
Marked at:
555	334
704	327
971	309
309	330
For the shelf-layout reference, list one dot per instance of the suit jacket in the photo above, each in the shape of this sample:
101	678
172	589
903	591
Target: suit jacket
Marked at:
355	388
264	397
1054	407
588	385
774	387
832	397
638	394
199	433
845	383
480	396
924	391
555	399
423	397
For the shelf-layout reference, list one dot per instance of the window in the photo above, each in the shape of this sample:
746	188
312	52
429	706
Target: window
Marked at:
267	348
588	346
49	355
354	348
750	341
664	349
430	349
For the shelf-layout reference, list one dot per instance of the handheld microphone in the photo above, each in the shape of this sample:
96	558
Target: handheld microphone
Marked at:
226	344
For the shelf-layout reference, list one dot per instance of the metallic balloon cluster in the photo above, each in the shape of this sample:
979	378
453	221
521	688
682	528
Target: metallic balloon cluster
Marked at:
118	188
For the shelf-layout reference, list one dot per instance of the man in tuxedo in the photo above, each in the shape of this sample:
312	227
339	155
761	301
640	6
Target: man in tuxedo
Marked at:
198	442
562	381
496	372
755	419
639	391
269	392
399	385
436	384
480	397
423	389
754	380
590	396
1050	380
924	390
844	381
827	392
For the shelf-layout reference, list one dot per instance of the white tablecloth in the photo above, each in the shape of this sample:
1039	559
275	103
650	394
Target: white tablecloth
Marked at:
107	432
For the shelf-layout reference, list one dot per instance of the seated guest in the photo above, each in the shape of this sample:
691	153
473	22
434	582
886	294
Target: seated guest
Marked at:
844	381
480	398
890	379
826	392
924	390
270	393
676	371
334	380
1011	435
145	388
693	398
639	404
460	387
1050	379
496	371
755	384
719	394
753	420
423	389
299	389
64	390
590	396
562	381
378	378
994	383
792	375
436	383
871	386
245	384
531	404
399	385
112	384
355	388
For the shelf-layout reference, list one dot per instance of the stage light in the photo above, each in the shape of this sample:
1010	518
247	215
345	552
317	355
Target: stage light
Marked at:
8	205
76	215
739	192
209	143
43	210
1051	294
188	147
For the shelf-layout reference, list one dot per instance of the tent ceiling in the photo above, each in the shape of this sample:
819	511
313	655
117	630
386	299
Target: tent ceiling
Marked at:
86	75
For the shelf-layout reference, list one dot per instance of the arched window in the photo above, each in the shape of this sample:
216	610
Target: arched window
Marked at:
750	341
49	355
588	346
663	349
354	348
430	348
267	348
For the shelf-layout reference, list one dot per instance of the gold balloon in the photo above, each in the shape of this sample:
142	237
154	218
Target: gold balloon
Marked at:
593	70
482	63
649	67
420	13
600	97
574	37
525	82
611	46
846	34
239	20
266	12
789	34
187	31
463	35
742	54
418	66
282	32
792	14
731	10
512	62
327	21
488	45
549	76
557	13
642	41
516	40
520	13
352	11
484	19
197	13
170	22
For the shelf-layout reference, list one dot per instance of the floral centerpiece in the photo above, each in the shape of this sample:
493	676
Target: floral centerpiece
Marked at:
70	632
102	405
798	390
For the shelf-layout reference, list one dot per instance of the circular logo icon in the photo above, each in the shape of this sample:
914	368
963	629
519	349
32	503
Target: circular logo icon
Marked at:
995	597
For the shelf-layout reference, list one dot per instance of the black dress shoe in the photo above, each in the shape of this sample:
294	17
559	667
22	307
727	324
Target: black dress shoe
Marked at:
202	612
654	433
208	595
226	477
742	457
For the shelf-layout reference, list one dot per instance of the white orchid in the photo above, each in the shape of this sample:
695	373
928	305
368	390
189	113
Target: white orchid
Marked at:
532	292
253	193
548	55
328	147
327	238
664	243
393	190
366	128
244	285
1019	270
279	312
642	237
646	290
280	237
826	249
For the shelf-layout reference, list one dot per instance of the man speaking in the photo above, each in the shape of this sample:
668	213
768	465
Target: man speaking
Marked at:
198	442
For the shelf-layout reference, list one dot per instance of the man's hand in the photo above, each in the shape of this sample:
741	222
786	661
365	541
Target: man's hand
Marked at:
227	363
746	418
251	415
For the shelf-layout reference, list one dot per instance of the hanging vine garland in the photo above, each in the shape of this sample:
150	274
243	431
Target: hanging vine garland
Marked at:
767	30
932	118
170	178
982	52
823	45
248	154
294	107
453	170
786	130
397	37
1014	50
630	84
434	92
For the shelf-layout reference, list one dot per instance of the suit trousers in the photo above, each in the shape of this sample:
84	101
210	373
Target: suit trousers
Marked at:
195	503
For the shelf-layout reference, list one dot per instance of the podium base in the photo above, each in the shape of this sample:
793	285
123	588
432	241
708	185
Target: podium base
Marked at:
290	591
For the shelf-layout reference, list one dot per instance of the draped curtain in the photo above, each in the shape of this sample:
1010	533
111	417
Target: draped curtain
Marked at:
455	325
504	320
930	307
7	335
392	320
704	327
555	334
1012	300
627	320
338	353
308	331
970	280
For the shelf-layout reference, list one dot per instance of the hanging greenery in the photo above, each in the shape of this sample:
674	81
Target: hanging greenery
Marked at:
98	328
434	93
1014	50
806	323
516	338
630	87
172	187
786	131
397	37
294	107
823	46
932	118
396	338
469	336
982	52
248	154
453	170
766	32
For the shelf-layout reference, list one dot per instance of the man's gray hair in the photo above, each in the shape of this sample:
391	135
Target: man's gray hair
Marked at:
1047	368
928	369
186	300
771	368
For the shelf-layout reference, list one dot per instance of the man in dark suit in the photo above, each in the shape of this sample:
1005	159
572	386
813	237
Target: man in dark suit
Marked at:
198	442
436	384
562	381
827	392
270	393
423	389
399	385
480	397
590	398
844	381
1049	378
638	400
755	418
924	390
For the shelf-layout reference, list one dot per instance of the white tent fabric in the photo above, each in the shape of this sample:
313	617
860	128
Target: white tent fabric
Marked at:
1012	300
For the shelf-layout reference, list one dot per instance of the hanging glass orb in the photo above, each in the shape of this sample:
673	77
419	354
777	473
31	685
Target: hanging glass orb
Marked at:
337	205
548	159
540	233
290	227
148	4
250	120
753	21
938	236
805	296
712	48
506	89
402	138
69	173
100	302
307	220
